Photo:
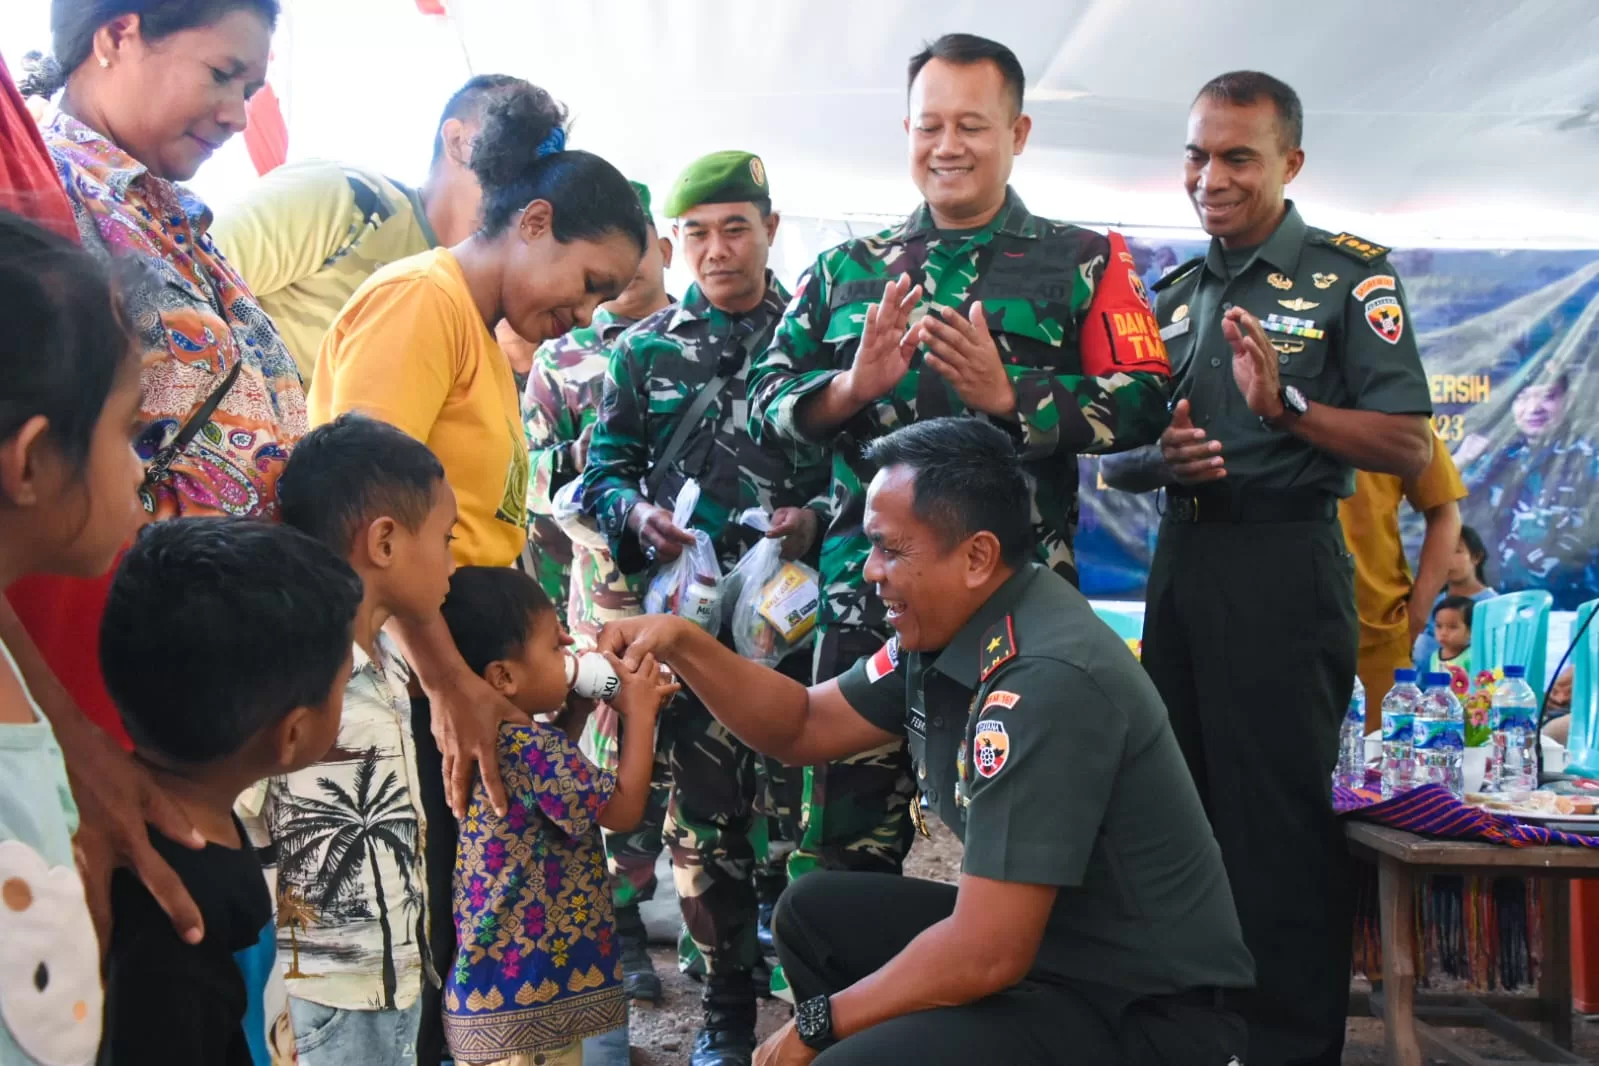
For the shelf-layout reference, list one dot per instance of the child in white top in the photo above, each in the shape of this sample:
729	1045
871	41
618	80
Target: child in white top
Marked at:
69	479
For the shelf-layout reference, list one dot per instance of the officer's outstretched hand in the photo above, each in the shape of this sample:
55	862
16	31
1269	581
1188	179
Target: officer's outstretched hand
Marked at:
1191	458
886	344
632	640
1254	363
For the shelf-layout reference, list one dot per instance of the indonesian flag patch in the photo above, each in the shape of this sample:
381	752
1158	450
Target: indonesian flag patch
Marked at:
885	662
990	747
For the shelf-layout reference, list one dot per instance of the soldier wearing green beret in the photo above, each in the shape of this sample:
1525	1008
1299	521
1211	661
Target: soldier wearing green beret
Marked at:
675	408
1294	364
561	405
971	306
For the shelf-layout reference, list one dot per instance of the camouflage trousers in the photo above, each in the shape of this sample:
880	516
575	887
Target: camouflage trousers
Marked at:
854	813
720	791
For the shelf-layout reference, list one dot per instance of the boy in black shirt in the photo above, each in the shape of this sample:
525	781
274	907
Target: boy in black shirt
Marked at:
226	645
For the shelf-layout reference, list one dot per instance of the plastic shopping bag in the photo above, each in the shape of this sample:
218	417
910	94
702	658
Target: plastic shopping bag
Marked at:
691	584
774	608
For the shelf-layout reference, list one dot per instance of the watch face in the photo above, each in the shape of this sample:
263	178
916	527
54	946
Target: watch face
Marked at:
813	1018
1295	399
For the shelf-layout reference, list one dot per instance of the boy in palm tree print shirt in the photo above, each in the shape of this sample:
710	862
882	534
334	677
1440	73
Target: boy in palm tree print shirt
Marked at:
348	833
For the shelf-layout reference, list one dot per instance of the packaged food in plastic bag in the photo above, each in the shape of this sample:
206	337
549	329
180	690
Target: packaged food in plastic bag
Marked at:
689	586
774	608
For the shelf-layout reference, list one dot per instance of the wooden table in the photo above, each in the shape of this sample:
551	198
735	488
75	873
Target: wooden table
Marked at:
1403	860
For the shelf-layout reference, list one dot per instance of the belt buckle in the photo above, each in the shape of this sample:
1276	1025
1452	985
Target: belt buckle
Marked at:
1185	509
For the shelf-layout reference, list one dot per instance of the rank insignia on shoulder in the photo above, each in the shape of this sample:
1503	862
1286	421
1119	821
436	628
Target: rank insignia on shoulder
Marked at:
998	648
1357	247
1176	274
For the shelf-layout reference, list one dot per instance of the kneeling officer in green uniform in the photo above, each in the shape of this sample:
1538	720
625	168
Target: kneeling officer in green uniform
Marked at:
1093	915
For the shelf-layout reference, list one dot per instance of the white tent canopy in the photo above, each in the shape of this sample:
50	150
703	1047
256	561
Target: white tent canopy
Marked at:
1427	121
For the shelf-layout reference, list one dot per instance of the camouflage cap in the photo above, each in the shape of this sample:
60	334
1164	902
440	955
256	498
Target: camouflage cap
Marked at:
643	191
719	178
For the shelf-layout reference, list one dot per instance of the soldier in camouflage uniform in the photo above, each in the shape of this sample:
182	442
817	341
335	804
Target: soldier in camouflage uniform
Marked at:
571	561
659	371
972	305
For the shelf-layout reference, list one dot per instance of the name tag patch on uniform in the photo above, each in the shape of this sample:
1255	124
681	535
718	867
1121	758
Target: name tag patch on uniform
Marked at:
1387	318
1176	329
885	662
990	747
1372	284
916	722
1001	698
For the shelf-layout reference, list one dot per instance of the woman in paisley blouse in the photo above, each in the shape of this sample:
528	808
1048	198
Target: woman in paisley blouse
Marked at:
153	88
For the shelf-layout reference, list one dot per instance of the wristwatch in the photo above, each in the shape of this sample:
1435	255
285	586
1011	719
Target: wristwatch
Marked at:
814	1021
1293	402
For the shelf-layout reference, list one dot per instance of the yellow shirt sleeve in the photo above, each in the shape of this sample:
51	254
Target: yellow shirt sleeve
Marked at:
391	355
294	220
1437	485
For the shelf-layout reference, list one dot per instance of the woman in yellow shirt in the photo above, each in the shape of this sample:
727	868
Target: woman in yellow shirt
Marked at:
562	232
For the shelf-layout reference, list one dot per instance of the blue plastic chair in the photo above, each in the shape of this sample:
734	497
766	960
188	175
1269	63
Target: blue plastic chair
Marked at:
1513	630
1582	746
1124	625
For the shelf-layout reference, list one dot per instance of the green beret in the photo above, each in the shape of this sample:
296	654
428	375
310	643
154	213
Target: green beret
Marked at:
643	191
719	178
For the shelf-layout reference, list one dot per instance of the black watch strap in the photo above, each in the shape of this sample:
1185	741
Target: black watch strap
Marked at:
813	1020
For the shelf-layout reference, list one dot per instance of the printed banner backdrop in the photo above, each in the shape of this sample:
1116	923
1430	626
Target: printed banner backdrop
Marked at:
1506	338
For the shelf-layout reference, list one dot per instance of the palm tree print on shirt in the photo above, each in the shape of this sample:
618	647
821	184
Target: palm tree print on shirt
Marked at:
294	914
327	845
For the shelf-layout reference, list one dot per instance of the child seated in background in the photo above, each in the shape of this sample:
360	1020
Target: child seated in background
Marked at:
539	965
226	646
347	831
1451	625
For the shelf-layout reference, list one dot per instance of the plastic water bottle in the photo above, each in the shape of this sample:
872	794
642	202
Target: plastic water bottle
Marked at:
1398	739
1440	736
1351	770
1513	757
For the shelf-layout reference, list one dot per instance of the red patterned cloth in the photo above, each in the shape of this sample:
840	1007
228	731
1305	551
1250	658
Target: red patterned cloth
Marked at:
1433	811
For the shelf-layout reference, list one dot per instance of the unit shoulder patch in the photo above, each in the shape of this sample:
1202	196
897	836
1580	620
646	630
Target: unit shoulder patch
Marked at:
1356	248
990	747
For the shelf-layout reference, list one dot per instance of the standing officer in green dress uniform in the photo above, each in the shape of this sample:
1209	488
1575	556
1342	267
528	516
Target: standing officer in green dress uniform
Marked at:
1293	364
674	408
971	306
1092	921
